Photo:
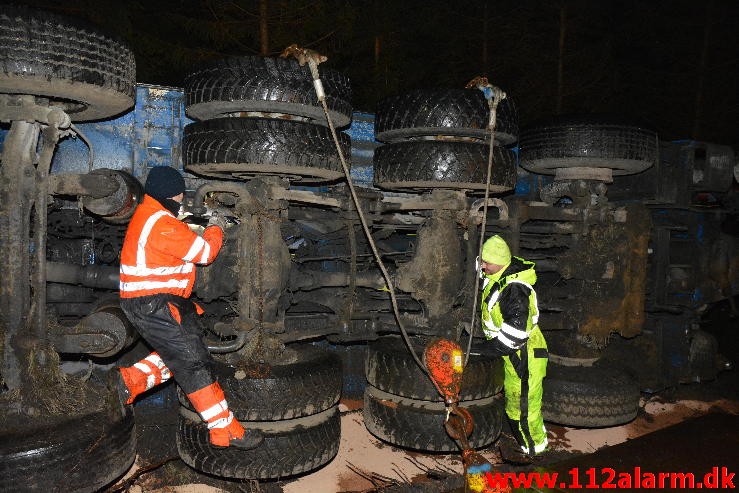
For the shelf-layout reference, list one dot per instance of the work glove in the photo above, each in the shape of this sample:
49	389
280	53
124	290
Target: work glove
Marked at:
478	268
218	219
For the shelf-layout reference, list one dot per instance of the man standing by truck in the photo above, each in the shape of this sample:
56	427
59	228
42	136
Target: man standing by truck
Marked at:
510	314
157	275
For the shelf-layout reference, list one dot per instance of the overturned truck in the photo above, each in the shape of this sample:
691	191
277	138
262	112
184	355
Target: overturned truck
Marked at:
631	237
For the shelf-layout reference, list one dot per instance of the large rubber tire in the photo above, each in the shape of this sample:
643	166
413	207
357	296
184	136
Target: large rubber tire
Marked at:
290	447
307	381
90	75
268	85
245	147
419	425
447	112
590	141
589	397
80	453
421	165
390	367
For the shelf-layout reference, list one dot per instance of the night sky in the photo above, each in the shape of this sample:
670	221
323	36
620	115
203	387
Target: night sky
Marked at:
671	64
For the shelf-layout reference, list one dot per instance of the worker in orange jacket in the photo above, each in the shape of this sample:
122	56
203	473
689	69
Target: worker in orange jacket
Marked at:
157	274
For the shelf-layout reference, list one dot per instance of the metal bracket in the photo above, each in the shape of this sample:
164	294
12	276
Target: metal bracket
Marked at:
27	108
475	213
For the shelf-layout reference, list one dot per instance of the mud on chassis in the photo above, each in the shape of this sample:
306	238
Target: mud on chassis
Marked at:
277	300
296	267
61	418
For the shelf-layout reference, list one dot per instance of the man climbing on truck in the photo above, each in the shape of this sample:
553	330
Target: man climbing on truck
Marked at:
510	314
157	276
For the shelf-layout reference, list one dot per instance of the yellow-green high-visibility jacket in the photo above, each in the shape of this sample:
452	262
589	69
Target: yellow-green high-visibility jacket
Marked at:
510	312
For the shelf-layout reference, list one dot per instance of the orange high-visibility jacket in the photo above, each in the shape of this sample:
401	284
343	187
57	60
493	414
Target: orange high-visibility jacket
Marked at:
160	252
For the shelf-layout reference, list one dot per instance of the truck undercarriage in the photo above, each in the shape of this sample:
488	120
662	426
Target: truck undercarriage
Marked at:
631	239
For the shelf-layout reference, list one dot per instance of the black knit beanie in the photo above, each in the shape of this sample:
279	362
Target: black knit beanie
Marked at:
164	182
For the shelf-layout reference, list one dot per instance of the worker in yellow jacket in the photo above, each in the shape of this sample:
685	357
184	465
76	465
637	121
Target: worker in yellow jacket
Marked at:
510	315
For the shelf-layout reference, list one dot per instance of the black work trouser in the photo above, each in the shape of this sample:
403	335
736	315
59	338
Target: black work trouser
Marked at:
179	344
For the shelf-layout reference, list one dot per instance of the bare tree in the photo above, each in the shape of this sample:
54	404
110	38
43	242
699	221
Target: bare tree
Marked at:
702	63
560	59
263	28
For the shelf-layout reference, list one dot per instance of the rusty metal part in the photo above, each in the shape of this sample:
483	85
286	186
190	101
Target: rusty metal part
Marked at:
459	425
492	93
478	470
303	55
478	81
32	109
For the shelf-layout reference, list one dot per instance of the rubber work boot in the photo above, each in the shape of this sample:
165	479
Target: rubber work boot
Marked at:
511	452
118	386
252	439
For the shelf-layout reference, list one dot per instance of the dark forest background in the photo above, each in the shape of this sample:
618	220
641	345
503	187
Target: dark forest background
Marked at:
672	64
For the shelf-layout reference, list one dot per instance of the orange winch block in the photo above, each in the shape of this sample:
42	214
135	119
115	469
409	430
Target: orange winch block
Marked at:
444	360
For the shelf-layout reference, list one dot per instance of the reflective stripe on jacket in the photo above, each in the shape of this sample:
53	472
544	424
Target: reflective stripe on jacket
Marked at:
160	252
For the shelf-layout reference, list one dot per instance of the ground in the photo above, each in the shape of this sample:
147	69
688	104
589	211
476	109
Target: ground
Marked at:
366	464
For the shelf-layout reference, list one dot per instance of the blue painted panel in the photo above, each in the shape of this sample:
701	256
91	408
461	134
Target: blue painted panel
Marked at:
148	135
160	120
362	133
362	128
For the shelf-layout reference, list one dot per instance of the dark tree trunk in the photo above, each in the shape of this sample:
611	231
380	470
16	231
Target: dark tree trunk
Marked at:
560	60
263	28
698	114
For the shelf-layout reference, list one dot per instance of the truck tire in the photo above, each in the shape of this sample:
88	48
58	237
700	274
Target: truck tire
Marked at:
419	425
390	367
307	381
81	453
445	112
265	85
290	447
245	147
589	397
421	165
90	75
590	141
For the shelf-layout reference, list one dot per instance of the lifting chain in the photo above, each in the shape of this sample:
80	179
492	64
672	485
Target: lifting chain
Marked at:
494	95
459	421
313	59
